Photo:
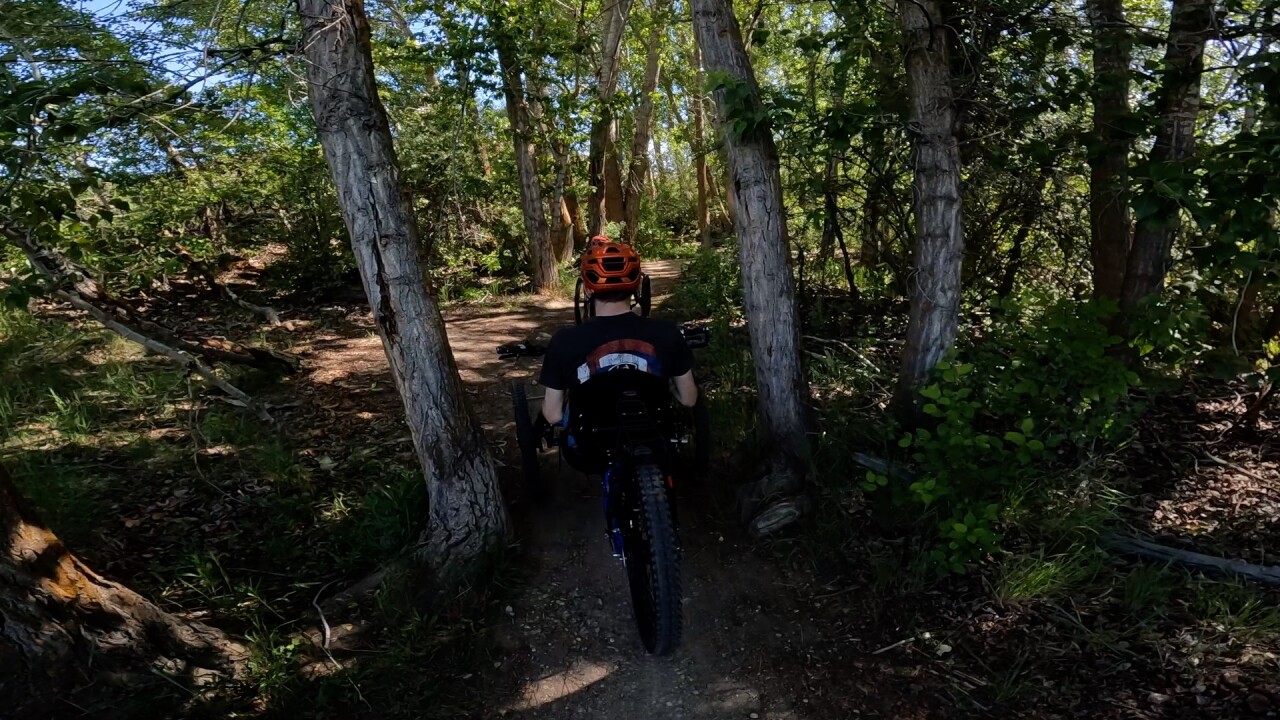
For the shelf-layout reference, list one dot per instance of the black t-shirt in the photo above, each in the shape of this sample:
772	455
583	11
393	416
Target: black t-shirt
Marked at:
614	342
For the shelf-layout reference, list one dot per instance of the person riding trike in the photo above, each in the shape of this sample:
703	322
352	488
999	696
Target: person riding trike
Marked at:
620	403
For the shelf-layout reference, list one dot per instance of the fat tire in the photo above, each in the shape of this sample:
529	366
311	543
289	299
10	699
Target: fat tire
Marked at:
653	563
527	440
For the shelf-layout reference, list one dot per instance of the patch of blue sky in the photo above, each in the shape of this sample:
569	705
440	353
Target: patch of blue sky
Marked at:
151	41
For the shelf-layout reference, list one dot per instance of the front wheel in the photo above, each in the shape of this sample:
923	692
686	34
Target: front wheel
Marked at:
653	562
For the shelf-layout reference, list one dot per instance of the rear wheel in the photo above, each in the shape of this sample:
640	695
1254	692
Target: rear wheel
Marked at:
578	309
527	439
653	562
645	295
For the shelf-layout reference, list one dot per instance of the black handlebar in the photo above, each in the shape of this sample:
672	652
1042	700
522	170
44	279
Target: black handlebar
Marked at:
696	335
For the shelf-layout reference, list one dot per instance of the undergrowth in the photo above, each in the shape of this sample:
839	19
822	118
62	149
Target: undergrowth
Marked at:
1006	490
200	506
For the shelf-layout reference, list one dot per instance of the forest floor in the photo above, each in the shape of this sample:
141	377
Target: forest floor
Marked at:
565	643
570	648
217	517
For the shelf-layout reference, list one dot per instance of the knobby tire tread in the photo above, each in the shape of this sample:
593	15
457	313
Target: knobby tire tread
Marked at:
663	561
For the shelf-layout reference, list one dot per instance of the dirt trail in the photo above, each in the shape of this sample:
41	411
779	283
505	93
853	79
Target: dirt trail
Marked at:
570	649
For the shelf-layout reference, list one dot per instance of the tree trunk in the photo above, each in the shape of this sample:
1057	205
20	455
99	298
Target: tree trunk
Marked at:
1271	330
541	252
1109	147
462	72
614	197
561	219
768	293
935	287
700	148
62	624
467	519
830	180
644	122
602	158
1190	25
659	175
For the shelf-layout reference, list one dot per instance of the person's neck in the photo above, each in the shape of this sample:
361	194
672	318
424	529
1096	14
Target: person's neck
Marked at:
610	309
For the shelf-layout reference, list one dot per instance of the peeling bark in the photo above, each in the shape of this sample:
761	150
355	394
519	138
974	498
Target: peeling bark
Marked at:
541	253
1109	149
603	171
699	149
1190	26
936	203
467	520
768	288
639	168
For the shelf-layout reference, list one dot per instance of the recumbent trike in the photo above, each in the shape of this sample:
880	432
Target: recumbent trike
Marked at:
626	427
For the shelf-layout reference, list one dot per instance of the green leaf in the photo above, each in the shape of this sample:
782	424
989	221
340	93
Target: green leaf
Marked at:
905	441
1027	426
1016	438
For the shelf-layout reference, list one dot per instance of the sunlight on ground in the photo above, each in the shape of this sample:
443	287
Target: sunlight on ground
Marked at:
580	675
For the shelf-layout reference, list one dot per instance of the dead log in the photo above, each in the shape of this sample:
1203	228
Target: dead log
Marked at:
75	279
202	269
880	466
1269	575
76	285
188	361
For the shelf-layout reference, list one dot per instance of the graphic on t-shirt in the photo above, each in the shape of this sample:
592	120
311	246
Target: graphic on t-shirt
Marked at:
625	354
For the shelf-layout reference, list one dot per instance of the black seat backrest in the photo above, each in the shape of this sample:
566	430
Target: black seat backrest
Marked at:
618	404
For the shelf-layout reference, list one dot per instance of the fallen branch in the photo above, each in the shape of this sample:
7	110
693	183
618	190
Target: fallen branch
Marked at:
361	588
186	360
1163	553
1243	471
1250	418
71	277
884	467
202	268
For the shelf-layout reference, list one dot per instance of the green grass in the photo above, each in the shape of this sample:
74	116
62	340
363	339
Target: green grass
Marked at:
205	507
1146	592
1237	609
1021	578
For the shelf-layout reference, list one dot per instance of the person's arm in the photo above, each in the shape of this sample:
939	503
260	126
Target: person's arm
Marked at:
553	405
686	389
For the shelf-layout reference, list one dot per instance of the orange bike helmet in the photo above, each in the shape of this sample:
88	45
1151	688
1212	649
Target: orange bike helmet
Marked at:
610	267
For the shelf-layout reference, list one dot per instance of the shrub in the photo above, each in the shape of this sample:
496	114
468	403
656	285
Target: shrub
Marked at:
1037	390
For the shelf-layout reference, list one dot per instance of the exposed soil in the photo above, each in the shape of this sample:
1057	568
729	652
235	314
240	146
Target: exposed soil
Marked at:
765	635
569	646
